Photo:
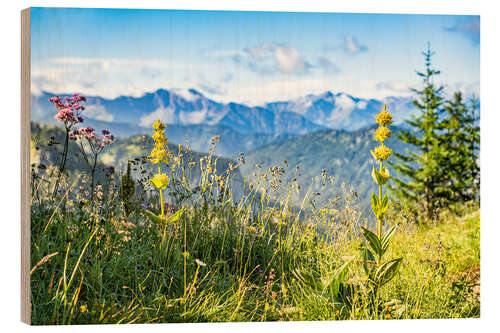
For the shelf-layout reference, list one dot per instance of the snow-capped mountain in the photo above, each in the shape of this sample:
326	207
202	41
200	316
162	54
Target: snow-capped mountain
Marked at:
342	111
189	107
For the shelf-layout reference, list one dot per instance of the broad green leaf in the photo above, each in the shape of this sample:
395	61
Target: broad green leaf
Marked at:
162	220
176	216
385	202
369	262
375	204
155	218
380	176
386	238
387	271
373	241
333	284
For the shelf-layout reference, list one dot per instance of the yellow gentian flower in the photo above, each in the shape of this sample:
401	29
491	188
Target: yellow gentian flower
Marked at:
160	181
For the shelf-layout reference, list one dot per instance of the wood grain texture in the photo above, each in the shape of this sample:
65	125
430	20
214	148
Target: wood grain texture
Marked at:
25	165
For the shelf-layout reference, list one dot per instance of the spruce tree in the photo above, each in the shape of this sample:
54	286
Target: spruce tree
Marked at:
420	167
127	190
461	141
473	131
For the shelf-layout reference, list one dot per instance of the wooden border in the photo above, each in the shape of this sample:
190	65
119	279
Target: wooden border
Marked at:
25	164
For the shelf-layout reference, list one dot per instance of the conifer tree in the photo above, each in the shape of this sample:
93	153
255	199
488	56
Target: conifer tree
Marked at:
474	133
420	166
127	190
461	139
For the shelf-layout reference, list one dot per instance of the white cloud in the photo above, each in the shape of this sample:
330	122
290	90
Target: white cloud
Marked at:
222	81
98	112
352	46
470	28
110	78
272	57
361	105
393	88
468	90
328	65
165	114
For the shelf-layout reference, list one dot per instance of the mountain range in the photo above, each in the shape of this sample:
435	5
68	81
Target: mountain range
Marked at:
191	115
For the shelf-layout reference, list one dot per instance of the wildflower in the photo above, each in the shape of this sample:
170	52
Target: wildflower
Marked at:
83	308
158	155
382	133
384	117
200	263
381	153
68	112
158	125
380	176
160	181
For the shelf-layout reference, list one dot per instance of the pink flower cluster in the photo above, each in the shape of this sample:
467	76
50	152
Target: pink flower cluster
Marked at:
69	109
93	139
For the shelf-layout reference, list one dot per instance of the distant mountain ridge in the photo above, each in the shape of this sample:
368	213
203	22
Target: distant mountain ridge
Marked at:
343	111
193	117
190	107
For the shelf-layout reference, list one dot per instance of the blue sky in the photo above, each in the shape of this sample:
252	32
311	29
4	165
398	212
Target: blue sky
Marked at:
249	57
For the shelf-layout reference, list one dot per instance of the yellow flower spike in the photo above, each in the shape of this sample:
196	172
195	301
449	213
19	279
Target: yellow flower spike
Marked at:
158	125
159	155
160	181
384	117
159	137
382	133
381	153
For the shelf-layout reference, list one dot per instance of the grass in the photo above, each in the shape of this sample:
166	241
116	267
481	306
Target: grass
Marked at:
237	262
252	260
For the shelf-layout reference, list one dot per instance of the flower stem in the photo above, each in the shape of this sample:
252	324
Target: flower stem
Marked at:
161	194
379	221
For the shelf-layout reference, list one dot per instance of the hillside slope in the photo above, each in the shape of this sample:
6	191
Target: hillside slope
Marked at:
341	154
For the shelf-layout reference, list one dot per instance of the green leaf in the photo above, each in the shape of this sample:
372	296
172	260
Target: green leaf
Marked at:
155	218
373	241
386	238
385	202
369	262
387	271
162	220
308	279
375	204
176	216
378	175
332	284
